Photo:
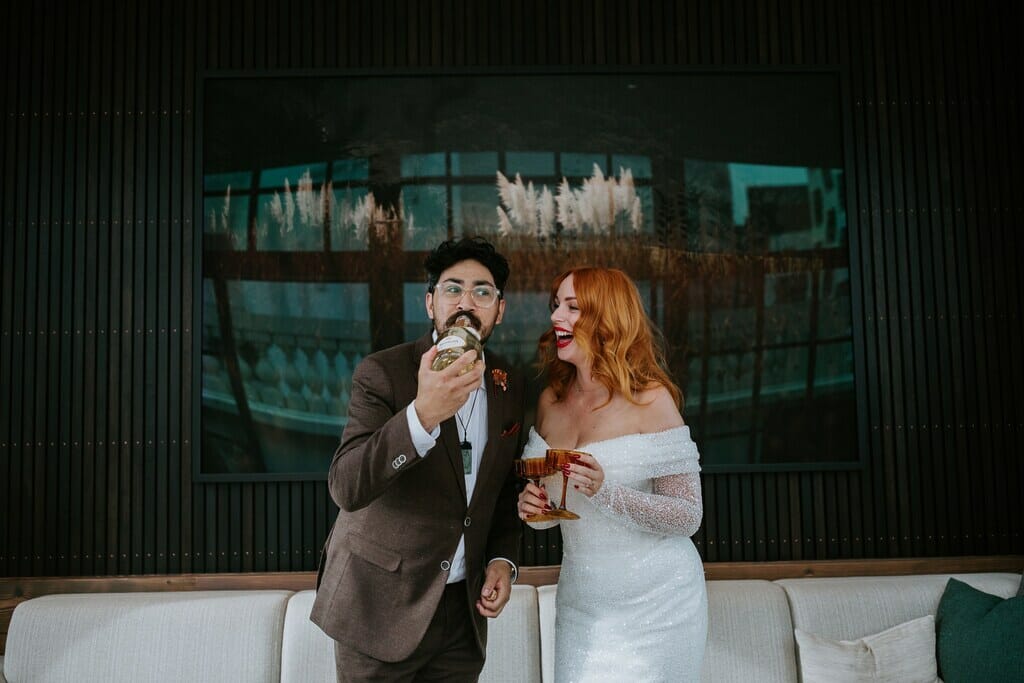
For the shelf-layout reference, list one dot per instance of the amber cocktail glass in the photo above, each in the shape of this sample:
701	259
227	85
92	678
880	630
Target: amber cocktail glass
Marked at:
557	458
535	469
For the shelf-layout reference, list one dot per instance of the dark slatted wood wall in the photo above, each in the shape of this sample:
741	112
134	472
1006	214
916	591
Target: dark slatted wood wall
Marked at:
99	258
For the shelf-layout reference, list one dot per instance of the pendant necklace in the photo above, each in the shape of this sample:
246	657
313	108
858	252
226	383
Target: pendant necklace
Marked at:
466	446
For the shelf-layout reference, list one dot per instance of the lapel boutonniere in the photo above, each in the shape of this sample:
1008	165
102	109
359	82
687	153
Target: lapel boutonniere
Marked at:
500	378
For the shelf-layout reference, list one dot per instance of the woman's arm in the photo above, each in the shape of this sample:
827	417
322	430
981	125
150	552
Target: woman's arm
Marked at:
674	507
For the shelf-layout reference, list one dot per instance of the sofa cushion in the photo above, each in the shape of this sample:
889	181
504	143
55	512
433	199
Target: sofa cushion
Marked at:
750	634
902	654
847	608
981	636
546	596
513	645
513	640
307	653
183	636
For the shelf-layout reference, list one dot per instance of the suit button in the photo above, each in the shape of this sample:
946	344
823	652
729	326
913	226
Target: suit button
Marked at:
467	521
446	565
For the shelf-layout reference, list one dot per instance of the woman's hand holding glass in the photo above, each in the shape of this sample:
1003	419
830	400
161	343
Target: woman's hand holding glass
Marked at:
585	474
533	503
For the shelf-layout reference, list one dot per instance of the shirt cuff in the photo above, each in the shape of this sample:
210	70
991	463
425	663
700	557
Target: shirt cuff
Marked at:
422	441
515	569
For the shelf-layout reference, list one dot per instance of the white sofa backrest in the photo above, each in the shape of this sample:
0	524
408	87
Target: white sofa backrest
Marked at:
546	607
513	648
153	637
750	634
847	608
307	653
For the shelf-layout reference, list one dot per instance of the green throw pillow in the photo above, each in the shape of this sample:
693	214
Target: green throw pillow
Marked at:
980	636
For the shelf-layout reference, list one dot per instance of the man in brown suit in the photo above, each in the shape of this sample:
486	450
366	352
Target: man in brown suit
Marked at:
425	545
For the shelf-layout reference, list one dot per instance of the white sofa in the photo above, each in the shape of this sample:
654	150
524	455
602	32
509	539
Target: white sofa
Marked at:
266	635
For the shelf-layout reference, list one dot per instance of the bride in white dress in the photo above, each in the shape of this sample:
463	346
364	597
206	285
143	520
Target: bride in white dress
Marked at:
632	604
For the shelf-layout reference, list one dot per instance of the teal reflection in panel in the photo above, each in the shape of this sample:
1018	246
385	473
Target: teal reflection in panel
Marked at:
423	165
426	216
834	312
529	164
730	380
289	221
350	169
415	322
474	209
729	450
784	373
576	165
297	345
225	222
349	220
733	328
646	195
276	177
237	180
474	164
691	390
639	166
526	318
742	177
787	307
833	368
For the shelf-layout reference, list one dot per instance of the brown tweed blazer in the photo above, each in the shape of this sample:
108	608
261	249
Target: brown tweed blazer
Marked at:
382	568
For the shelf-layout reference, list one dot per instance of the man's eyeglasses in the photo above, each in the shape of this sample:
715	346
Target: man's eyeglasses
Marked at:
484	296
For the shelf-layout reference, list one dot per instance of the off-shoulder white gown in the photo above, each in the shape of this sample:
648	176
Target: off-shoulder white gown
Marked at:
632	605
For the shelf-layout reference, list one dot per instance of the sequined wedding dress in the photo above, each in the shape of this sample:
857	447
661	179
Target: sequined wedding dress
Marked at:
632	604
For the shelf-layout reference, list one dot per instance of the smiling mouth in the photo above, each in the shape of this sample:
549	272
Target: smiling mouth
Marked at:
562	337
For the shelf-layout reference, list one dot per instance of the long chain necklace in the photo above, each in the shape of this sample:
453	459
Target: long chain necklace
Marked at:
466	446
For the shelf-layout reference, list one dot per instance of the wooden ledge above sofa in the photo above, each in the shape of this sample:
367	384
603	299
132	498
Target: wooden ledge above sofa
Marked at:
18	589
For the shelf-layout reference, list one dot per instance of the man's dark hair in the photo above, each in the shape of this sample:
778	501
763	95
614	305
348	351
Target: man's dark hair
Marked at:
448	253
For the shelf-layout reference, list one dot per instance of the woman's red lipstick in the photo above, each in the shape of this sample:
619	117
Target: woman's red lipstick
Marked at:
563	337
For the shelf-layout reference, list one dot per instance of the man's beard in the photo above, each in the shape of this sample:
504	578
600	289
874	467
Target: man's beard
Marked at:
474	321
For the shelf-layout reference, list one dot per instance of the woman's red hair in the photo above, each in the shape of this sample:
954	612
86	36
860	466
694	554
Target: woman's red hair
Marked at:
613	331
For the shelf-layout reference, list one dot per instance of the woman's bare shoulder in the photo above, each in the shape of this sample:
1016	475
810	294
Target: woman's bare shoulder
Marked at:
658	409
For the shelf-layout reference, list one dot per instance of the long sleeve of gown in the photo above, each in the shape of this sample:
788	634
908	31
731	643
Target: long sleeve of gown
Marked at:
674	507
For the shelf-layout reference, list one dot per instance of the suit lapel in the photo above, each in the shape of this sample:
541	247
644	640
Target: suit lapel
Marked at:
450	439
494	410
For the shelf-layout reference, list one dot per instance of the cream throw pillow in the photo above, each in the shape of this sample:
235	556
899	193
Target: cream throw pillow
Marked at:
901	654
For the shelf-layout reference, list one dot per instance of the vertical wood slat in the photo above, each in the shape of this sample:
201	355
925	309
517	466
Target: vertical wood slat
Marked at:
46	397
917	218
101	298
1006	215
975	322
989	297
955	285
7	100
896	274
32	429
913	340
99	290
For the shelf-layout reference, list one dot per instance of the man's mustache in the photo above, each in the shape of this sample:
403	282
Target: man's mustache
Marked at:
473	320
